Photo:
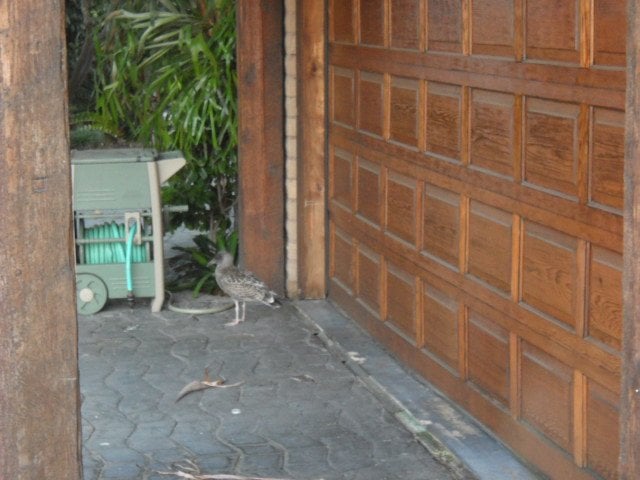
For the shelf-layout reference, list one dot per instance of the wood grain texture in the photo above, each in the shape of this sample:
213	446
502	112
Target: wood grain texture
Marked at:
369	278
370	103
603	431
373	20
261	140
604	317
312	202
489	249
341	173
493	127
369	191
441	325
599	364
494	27
441	229
629	463
404	118
407	24
39	390
444	120
489	359
499	174
401	203
401	291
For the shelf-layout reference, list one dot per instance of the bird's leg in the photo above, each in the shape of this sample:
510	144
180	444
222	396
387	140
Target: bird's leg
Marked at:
237	319
244	310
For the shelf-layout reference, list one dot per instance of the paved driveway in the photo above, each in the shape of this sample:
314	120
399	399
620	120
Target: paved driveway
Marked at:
300	412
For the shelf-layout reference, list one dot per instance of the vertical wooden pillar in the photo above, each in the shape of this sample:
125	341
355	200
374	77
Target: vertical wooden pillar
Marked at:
261	138
629	466
39	416
312	208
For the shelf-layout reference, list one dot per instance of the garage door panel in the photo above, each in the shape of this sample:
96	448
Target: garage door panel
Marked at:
482	237
441	228
343	263
553	30
401	301
341	188
598	86
588	221
405	106
370	103
444	26
493	28
342	106
490	250
600	364
606	159
610	32
494	132
372	22
406	24
489	357
401	206
550	273
552	146
547	388
602	430
444	120
605	297
369	191
369	279
442	316
342	27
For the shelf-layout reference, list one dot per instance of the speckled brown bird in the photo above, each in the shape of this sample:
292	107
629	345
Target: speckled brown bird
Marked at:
240	285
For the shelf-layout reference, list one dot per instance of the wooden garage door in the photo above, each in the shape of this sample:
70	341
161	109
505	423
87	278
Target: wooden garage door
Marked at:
475	179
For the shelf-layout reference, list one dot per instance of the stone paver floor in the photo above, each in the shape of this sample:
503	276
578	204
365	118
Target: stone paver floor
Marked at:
300	413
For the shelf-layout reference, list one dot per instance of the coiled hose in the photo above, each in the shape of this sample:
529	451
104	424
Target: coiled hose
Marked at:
107	247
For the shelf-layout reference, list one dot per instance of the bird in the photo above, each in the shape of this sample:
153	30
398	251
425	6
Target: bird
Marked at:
242	286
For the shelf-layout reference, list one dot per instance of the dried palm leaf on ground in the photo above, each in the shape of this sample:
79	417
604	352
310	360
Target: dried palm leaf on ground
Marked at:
221	476
203	384
192	472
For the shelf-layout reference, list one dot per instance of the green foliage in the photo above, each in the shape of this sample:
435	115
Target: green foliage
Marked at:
191	265
166	78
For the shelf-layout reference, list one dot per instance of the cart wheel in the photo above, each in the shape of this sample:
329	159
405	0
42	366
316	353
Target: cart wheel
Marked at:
91	293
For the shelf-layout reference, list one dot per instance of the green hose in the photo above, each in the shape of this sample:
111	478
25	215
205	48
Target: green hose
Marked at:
101	250
132	234
105	245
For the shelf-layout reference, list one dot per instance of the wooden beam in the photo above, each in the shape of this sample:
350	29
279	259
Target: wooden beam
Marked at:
39	394
261	139
312	209
629	465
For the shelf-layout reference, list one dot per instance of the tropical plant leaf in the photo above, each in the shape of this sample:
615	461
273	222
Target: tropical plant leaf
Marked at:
166	78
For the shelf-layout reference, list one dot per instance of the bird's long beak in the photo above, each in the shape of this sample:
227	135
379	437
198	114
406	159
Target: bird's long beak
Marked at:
211	263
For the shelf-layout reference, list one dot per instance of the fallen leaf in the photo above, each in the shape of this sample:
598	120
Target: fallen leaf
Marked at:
356	357
198	385
215	476
303	378
192	472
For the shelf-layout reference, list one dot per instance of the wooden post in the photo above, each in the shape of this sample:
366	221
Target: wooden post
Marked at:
261	138
629	466
312	206
39	407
